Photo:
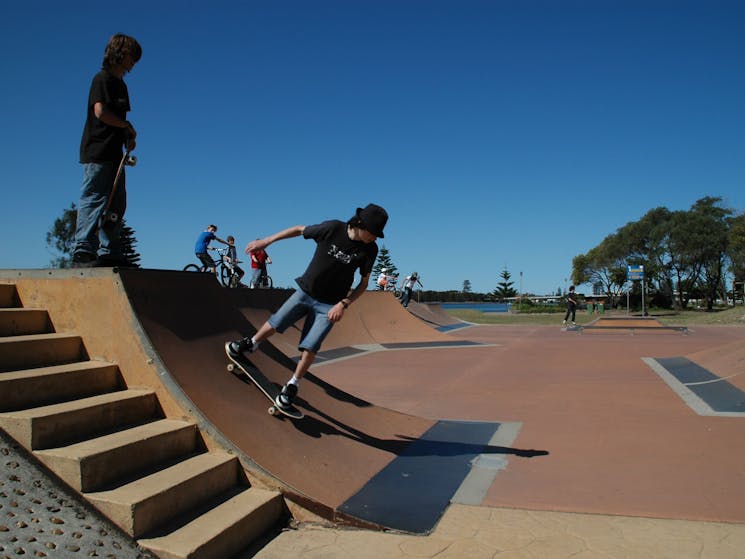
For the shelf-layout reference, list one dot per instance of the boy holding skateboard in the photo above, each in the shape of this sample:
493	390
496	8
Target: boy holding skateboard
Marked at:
325	289
106	132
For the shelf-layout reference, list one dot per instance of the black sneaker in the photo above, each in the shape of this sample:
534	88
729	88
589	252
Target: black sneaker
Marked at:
235	349
84	260
285	398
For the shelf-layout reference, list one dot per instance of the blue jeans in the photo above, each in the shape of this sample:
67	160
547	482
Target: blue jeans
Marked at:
98	179
317	324
256	274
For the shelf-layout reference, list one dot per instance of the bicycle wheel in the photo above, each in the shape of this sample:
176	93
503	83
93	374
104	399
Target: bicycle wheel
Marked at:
191	268
266	282
225	276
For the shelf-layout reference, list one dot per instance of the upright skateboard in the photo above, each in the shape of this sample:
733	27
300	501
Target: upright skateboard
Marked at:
245	367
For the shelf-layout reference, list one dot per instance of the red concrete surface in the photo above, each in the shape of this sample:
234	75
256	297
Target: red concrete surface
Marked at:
620	441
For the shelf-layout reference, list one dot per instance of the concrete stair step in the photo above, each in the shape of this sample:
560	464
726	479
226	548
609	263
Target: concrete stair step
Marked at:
57	424
39	350
18	322
151	501
94	464
58	383
149	475
223	531
8	295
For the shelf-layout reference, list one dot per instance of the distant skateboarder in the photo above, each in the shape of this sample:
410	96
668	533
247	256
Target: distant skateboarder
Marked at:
571	305
325	289
409	284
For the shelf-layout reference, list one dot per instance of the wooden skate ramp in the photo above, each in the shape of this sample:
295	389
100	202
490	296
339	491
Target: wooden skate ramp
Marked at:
342	444
377	318
435	315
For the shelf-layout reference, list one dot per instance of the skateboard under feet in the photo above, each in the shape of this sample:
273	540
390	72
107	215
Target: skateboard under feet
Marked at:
244	367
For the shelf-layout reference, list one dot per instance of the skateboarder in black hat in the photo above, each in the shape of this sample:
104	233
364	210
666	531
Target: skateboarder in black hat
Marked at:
325	289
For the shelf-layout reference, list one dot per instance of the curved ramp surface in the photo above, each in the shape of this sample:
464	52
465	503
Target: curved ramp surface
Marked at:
330	458
434	314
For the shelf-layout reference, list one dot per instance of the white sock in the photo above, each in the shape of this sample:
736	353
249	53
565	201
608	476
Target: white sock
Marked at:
294	381
254	342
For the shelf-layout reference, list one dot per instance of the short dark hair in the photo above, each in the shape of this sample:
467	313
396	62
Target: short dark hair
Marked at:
118	47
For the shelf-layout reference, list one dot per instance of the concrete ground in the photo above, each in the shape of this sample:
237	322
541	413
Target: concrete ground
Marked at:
491	533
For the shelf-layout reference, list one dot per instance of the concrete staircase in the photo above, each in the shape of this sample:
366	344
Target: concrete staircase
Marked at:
151	475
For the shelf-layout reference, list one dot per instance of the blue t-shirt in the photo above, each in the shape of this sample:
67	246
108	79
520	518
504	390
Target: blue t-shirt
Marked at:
203	241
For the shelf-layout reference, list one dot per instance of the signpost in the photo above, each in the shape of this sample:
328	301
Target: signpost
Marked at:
636	273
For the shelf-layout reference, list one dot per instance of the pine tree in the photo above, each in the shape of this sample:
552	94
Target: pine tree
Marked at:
61	237
504	288
466	286
384	261
129	242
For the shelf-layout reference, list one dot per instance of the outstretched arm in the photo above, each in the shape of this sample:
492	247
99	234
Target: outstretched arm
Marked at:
288	233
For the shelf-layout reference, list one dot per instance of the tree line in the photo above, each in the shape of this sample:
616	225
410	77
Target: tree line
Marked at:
686	254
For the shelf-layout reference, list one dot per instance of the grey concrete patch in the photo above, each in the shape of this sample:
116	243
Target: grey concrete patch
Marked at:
41	517
485	467
689	396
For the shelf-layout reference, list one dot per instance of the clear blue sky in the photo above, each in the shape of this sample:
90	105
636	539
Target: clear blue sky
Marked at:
497	134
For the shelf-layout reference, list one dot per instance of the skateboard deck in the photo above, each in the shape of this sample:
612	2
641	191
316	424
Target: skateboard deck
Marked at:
244	367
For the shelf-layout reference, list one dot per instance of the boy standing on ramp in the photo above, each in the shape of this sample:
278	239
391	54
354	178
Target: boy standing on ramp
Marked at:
325	289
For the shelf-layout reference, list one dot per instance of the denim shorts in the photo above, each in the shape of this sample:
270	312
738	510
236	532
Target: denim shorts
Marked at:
317	324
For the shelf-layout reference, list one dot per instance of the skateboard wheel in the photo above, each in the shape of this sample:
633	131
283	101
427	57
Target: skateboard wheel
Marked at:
272	410
231	367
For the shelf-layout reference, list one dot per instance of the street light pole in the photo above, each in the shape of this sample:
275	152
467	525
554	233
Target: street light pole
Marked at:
521	291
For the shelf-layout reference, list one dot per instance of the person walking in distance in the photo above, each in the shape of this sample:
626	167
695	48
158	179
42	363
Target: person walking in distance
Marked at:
106	132
324	290
571	306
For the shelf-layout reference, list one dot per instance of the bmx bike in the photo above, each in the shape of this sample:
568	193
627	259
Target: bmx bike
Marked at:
265	281
392	286
224	270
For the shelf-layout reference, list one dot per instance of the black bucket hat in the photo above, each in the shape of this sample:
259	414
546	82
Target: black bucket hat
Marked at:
373	219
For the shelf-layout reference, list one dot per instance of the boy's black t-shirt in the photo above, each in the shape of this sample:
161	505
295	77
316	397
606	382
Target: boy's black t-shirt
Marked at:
330	274
102	143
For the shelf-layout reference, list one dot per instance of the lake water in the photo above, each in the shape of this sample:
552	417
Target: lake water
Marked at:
481	307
